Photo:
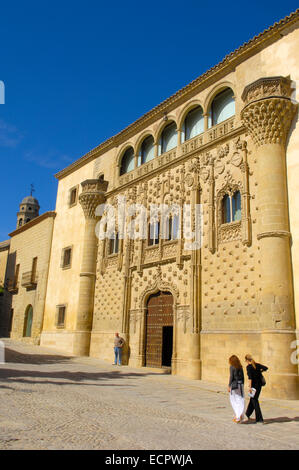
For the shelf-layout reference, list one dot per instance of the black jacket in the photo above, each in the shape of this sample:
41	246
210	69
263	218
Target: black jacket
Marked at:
255	374
235	376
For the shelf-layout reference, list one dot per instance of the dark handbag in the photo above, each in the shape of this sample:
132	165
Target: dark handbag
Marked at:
263	380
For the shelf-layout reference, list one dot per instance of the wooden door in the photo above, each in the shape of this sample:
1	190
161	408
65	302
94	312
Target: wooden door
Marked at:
159	316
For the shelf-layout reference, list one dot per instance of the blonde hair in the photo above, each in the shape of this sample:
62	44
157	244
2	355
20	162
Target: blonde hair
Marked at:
250	359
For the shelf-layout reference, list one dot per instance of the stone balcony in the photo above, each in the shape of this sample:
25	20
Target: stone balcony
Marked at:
29	280
12	285
203	140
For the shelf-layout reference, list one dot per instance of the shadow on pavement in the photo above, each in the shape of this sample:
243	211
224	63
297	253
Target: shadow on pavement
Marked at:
283	419
25	376
60	378
17	357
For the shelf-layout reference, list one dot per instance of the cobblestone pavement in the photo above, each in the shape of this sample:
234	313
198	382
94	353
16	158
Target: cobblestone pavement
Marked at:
51	401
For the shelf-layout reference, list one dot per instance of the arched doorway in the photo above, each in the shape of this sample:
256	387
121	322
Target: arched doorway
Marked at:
28	321
159	330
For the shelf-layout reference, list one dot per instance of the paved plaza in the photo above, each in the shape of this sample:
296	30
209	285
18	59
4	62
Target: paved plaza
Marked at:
52	401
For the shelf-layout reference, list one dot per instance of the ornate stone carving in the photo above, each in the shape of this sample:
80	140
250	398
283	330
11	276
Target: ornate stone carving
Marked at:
204	174
229	232
223	151
93	194
189	180
183	315
135	319
237	158
268	110
231	183
112	261
219	168
267	87
195	166
158	284
169	250
151	254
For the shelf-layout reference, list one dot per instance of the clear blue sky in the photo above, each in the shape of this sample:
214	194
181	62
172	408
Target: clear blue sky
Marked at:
78	72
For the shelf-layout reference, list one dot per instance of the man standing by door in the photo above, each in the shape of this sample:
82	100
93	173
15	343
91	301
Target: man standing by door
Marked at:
118	344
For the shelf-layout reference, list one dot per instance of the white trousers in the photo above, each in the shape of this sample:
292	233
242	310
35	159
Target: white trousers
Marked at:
237	401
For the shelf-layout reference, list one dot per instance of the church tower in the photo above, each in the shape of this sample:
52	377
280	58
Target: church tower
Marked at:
29	209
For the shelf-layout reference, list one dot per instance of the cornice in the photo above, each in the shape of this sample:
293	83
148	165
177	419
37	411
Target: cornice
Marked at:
4	245
33	222
228	64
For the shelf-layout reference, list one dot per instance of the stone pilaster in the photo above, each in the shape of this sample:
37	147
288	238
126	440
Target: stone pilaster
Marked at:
267	114
93	194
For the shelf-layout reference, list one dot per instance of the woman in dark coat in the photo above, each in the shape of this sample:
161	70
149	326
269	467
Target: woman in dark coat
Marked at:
236	388
254	372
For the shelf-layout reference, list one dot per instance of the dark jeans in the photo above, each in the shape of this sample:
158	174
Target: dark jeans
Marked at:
254	405
117	355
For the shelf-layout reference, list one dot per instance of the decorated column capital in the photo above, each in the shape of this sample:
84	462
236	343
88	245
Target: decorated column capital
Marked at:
93	194
268	110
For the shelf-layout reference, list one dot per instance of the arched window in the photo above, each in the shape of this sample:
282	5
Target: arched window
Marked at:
222	107
193	124
168	138
127	161
231	208
147	150
20	222
28	321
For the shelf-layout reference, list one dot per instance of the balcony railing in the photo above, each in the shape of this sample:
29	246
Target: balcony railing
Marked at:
221	129
29	279
192	144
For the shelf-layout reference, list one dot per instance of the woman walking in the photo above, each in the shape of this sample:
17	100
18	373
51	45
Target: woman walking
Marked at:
254	372
236	388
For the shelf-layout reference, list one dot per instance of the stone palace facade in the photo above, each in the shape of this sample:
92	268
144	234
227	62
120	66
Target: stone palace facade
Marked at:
228	141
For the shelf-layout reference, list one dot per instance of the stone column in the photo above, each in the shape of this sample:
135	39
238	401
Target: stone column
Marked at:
206	121
93	194
135	161
179	136
194	367
267	114
156	149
